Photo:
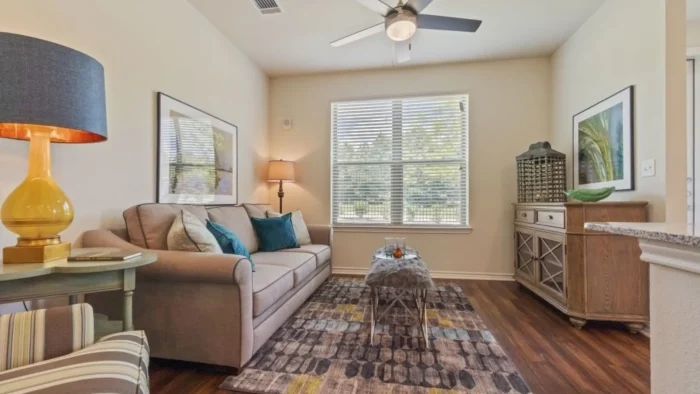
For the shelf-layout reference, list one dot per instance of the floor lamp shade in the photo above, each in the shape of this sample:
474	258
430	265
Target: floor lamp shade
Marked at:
281	170
48	93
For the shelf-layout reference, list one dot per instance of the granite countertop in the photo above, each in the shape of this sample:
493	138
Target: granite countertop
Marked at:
674	233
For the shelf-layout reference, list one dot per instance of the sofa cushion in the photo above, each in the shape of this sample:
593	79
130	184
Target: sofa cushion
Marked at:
322	252
303	264
229	242
275	233
189	234
270	283
300	230
258	210
148	224
236	219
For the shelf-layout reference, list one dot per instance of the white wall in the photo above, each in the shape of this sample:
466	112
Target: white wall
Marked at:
603	57
693	34
145	47
509	109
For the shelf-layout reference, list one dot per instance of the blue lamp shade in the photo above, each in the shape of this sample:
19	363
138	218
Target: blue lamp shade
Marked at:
44	85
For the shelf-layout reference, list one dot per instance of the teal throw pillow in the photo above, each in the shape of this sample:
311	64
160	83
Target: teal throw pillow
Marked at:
275	233
229	242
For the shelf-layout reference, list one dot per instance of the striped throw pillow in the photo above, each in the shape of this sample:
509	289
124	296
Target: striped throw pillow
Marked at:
116	364
43	334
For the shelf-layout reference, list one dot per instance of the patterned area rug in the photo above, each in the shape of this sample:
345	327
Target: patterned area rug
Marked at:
325	348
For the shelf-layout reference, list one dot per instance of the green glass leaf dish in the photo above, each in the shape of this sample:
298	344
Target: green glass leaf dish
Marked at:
590	195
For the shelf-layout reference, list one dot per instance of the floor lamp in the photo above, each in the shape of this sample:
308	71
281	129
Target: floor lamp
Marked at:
281	171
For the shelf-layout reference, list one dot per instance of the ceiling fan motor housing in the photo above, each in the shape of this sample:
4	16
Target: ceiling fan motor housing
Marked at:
401	24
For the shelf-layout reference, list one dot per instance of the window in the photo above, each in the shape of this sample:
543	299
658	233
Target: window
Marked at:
401	162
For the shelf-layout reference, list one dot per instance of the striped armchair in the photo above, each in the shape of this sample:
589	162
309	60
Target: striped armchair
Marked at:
53	351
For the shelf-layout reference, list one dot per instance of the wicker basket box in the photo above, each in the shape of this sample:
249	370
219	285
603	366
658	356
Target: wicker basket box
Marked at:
541	174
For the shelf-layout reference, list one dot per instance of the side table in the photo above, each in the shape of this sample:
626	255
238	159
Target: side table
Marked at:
22	282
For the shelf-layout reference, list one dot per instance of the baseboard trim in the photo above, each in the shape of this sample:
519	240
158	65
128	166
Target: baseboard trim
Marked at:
435	274
645	331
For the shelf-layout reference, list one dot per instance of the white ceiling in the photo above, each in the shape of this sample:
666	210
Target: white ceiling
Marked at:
297	41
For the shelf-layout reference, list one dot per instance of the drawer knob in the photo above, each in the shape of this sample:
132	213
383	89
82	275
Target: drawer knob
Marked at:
523	214
550	217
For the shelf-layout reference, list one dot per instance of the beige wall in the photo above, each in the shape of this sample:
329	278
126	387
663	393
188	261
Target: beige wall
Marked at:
603	57
509	109
675	107
145	47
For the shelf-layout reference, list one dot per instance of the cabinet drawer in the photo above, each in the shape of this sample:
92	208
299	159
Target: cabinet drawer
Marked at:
525	215
551	218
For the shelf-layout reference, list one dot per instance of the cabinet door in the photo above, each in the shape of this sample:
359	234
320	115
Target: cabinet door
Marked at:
525	253
551	264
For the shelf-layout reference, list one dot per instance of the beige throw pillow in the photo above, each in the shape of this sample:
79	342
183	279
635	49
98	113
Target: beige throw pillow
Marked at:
300	230
189	234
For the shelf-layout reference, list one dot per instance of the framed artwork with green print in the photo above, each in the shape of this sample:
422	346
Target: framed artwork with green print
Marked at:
197	156
604	143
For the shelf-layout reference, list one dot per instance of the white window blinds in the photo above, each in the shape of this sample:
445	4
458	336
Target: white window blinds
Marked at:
401	162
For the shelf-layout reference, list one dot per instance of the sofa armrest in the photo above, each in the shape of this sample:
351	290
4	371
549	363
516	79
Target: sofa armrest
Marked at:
44	334
175	266
321	234
116	364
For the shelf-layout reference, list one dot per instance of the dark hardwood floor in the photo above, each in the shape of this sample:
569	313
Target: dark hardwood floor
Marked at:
552	356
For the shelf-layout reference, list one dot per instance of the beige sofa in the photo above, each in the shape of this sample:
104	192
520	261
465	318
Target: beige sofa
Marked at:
212	308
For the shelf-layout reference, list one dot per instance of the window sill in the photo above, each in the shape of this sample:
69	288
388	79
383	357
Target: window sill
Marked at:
343	228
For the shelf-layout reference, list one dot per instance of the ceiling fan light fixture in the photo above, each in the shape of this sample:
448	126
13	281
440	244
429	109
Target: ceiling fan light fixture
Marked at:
401	24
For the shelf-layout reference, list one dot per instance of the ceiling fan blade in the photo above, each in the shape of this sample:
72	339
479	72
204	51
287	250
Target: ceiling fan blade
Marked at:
370	31
418	5
435	22
402	51
377	6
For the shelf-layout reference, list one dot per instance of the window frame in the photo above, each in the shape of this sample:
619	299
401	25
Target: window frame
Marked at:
396	226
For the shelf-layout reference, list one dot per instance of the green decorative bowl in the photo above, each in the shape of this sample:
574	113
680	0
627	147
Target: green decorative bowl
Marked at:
590	195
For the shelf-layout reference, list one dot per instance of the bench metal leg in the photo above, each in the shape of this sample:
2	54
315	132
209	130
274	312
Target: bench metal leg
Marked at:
419	296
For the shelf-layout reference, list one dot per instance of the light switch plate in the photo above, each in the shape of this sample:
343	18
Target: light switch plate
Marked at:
648	168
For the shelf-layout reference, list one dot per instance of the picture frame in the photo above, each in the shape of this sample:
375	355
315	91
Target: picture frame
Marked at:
603	143
197	155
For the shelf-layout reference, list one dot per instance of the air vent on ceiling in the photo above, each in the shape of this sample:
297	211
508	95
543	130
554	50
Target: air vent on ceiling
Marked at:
268	6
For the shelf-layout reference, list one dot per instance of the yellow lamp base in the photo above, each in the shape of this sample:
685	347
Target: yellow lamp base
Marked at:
35	254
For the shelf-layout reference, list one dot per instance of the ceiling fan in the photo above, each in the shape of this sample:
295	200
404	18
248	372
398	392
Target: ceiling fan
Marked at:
400	24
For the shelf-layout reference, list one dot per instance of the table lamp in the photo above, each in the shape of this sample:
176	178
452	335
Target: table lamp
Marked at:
48	93
280	171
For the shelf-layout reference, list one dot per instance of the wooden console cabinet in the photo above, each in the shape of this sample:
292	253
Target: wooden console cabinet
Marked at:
587	275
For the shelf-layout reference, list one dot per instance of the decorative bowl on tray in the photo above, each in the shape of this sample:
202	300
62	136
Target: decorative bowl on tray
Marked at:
395	247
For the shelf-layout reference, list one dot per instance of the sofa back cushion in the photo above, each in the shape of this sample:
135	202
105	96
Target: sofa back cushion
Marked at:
235	218
229	242
148	224
258	210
